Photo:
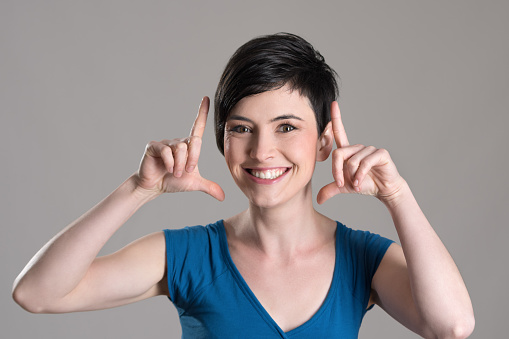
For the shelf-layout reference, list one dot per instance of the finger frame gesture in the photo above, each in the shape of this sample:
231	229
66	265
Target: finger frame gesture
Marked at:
357	168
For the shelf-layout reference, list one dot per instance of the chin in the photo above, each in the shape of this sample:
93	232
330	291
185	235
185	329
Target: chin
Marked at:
273	201
265	203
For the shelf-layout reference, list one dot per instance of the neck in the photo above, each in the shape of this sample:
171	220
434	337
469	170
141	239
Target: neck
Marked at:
282	231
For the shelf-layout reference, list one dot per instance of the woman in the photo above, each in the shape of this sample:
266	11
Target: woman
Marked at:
280	268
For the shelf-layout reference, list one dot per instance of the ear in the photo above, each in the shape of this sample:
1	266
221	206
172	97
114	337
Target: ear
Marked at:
324	143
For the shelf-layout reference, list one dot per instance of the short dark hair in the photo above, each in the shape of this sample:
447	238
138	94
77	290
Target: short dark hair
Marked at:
268	63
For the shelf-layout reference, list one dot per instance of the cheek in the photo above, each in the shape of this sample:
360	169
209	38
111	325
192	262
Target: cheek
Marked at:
233	151
229	145
227	151
226	146
303	147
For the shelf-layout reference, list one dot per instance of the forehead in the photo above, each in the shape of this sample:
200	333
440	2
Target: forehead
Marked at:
270	104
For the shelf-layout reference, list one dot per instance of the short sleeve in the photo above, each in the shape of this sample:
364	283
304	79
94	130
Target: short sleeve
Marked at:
191	262
362	252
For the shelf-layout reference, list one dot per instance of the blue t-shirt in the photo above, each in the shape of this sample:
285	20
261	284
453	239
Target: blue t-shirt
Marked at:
214	301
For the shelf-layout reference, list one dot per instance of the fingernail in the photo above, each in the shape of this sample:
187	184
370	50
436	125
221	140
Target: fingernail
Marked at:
178	174
356	183
190	168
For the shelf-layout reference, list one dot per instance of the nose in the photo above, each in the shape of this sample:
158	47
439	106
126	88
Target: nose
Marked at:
262	147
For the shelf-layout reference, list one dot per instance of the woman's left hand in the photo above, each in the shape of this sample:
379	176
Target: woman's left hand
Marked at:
359	169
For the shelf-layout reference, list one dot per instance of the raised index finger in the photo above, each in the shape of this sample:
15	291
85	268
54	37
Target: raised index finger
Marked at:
194	140
337	126
201	119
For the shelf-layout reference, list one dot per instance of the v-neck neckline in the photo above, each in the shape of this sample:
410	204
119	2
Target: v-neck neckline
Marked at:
257	304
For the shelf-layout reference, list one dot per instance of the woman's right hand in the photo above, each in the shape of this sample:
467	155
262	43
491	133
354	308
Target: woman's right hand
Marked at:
171	166
66	275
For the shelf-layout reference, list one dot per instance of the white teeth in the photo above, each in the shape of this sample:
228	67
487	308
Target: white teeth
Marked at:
270	174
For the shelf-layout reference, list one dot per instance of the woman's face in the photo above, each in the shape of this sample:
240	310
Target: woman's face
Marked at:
270	146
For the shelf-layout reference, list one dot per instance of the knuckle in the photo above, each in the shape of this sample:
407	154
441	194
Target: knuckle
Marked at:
181	146
365	160
195	140
337	154
167	151
334	155
352	164
362	169
151	144
151	148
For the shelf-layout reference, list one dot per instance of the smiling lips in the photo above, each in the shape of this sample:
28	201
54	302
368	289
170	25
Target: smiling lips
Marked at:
267	174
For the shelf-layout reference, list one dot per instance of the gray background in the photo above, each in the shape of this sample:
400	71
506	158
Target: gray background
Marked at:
85	85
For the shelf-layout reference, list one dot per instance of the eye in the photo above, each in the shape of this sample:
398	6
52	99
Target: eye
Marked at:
286	128
241	129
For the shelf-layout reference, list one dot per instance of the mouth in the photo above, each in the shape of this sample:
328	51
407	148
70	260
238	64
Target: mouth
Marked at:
268	174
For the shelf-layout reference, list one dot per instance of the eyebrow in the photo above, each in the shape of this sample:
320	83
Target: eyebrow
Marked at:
281	117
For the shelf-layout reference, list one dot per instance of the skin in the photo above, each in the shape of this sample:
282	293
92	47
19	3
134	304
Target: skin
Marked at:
281	245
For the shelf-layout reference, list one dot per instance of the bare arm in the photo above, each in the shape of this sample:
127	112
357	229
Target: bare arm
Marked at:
418	284
66	275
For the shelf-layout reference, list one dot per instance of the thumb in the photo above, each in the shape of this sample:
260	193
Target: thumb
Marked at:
328	191
212	189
